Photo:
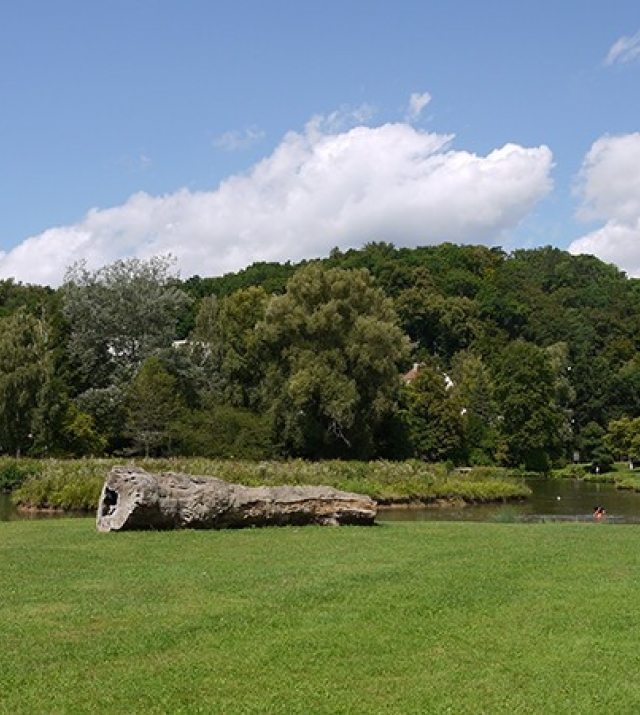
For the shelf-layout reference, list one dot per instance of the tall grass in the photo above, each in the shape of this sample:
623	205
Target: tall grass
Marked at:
66	485
77	484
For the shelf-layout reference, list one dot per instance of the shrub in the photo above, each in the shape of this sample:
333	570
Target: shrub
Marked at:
571	471
602	462
13	473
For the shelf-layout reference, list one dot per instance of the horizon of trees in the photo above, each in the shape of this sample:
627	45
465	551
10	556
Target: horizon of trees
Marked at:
526	359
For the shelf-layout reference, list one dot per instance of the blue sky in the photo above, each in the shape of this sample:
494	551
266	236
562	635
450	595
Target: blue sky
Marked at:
225	133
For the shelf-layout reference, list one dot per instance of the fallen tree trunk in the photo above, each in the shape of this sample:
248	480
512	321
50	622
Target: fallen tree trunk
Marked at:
135	499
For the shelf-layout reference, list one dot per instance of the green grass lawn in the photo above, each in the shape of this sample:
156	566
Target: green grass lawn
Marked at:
398	618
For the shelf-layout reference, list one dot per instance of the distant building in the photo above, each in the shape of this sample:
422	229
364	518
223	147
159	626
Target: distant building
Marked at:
410	376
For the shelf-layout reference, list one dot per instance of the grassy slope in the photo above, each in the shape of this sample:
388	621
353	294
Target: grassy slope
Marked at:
400	618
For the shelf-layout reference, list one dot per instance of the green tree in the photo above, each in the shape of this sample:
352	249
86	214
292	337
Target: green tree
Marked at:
106	408
438	324
565	394
30	298
472	390
593	447
433	418
532	424
333	349
227	326
623	438
223	431
590	441
79	436
152	406
119	315
623	394
191	364
28	388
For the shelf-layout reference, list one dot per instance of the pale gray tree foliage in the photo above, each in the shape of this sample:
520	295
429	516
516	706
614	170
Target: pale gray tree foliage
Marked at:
119	315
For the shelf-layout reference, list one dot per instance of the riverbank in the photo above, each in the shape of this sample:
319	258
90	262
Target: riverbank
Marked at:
75	485
394	619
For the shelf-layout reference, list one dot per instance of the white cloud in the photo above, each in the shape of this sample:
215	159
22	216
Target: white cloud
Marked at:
238	140
417	102
609	189
320	188
624	50
342	119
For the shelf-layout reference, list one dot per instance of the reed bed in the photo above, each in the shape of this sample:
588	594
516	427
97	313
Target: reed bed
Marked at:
76	484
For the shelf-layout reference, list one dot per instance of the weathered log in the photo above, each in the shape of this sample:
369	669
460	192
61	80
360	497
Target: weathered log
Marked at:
135	499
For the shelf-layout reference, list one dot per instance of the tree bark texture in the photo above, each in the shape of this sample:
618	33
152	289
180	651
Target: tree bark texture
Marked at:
135	499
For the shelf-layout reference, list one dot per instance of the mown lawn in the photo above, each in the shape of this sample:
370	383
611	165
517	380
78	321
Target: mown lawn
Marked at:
398	618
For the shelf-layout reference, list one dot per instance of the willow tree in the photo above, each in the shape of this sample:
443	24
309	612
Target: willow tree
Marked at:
333	350
28	399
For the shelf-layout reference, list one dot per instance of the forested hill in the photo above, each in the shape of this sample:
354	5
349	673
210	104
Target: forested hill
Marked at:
452	297
524	358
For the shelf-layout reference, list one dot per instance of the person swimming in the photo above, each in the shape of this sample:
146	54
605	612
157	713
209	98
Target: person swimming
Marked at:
598	513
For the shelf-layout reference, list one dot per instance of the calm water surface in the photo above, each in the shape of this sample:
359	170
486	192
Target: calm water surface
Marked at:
553	499
8	512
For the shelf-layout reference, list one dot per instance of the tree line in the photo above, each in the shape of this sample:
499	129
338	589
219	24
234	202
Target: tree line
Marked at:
460	353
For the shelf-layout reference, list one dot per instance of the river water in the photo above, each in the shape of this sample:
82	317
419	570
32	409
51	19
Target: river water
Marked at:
553	500
8	512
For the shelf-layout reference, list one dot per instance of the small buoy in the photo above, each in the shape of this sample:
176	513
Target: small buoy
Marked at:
558	498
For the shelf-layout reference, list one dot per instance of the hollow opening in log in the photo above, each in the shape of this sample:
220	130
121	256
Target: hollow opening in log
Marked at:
109	502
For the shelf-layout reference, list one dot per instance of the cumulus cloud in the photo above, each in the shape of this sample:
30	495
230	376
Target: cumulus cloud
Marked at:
609	189
417	102
624	50
320	188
